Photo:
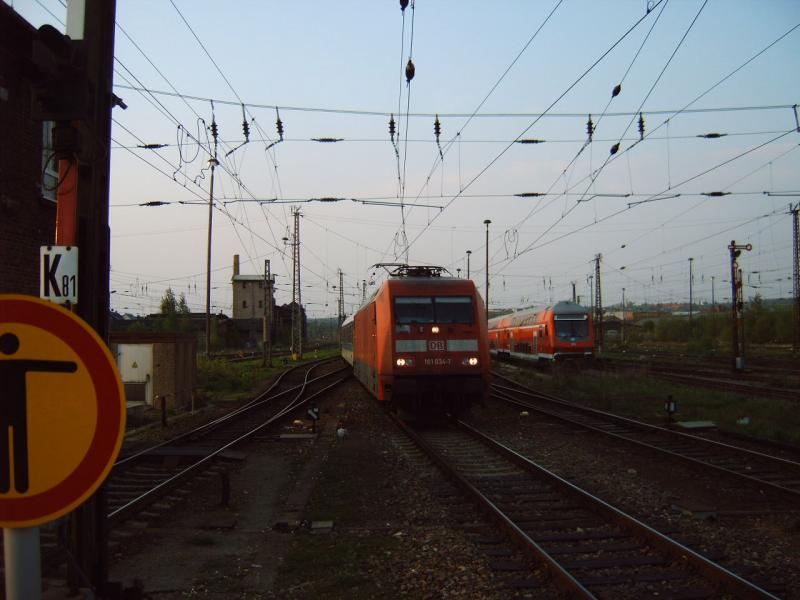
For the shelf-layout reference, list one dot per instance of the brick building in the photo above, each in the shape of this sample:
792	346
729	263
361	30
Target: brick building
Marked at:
27	178
249	295
249	310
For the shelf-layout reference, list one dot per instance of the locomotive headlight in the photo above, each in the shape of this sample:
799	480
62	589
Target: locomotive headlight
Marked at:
435	329
405	362
471	361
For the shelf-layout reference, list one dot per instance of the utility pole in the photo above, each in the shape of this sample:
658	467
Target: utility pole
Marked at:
341	297
487	222
363	291
213	162
713	300
690	296
89	526
737	304
795	210
574	297
297	313
623	315
267	337
468	253
83	221
598	304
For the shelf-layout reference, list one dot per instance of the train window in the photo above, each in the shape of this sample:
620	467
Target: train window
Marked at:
454	309
572	329
413	309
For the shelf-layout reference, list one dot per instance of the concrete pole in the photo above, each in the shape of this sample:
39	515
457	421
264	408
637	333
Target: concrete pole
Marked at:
487	222
690	295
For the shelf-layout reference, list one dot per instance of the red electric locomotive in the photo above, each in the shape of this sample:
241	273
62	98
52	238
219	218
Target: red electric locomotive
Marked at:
419	343
556	333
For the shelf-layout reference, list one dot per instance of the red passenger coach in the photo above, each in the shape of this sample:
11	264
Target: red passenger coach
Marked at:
556	333
420	342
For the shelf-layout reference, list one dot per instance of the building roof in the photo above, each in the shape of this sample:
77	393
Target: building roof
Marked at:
248	278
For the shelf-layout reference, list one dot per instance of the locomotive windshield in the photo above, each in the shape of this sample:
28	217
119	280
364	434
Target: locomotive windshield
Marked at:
568	326
438	309
454	309
413	309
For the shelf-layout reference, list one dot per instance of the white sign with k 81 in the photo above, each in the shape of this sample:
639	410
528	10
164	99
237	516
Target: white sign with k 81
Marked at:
58	280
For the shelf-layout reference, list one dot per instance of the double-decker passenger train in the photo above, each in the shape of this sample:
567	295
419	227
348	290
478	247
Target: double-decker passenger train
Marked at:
419	343
556	333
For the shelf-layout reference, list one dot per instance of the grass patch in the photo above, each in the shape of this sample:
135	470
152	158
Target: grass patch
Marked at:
219	377
334	566
642	397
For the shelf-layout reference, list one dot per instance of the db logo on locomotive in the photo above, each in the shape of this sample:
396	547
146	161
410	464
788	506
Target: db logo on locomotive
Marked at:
435	345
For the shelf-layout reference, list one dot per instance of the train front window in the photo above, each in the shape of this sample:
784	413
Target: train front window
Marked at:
568	329
454	309
413	309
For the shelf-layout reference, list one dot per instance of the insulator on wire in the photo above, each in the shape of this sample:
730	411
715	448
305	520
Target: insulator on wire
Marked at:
590	128
392	127
245	126
409	71
617	89
403	5
214	129
279	125
437	130
641	127
614	149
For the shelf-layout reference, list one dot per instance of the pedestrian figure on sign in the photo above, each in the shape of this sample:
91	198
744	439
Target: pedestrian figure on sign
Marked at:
14	409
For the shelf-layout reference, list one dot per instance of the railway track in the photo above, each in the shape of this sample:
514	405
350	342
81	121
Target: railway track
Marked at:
772	383
141	478
590	548
764	471
145	476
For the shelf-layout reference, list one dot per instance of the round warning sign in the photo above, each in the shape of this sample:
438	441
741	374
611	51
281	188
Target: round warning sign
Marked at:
62	411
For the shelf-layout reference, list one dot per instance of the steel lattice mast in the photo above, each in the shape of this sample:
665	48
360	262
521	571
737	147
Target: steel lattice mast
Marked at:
598	304
297	313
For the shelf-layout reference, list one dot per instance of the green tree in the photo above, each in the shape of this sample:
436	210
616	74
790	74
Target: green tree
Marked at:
169	309
183	312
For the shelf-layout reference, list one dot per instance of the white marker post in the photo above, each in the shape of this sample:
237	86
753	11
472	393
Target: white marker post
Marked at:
22	563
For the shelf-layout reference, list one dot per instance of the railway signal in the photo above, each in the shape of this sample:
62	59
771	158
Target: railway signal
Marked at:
737	304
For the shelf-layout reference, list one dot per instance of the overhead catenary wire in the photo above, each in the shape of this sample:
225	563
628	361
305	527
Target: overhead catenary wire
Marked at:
615	147
457	136
684	110
443	115
552	104
688	136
